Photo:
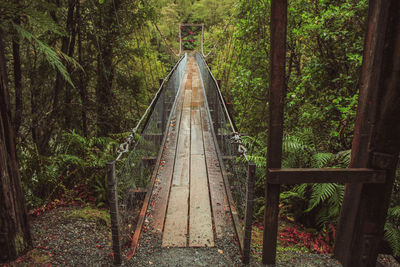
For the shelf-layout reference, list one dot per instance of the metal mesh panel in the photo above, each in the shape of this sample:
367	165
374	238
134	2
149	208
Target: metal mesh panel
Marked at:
227	138
134	168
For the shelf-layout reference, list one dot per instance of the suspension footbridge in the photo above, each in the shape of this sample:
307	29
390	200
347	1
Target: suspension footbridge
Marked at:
185	165
178	155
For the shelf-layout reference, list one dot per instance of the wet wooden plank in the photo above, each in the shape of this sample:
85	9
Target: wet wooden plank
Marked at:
164	177
200	221
196	134
219	201
175	230
181	169
188	99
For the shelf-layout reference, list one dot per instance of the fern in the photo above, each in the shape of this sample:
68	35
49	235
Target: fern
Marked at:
52	56
392	230
324	192
343	158
319	160
293	144
392	235
394	213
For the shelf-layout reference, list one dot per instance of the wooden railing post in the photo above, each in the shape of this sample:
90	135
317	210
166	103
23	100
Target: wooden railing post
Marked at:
251	175
277	93
113	200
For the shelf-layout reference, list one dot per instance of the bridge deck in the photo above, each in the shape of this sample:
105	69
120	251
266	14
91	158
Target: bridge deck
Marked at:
189	204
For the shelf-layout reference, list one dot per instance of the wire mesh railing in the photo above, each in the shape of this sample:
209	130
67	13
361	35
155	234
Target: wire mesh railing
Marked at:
129	175
239	171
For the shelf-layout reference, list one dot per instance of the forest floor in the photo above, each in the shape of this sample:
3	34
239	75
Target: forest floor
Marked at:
81	236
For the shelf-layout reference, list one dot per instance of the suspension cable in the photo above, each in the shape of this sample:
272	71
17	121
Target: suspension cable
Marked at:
124	147
166	43
216	43
236	139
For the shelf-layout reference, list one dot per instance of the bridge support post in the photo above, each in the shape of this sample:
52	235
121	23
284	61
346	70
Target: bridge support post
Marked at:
376	142
113	200
275	125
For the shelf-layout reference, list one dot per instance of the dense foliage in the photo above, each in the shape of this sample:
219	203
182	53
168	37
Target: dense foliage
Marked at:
82	73
324	55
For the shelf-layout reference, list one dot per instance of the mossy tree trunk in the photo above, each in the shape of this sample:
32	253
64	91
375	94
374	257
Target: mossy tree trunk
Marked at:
15	236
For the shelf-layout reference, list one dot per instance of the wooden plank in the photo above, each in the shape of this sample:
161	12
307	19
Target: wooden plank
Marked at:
200	221
175	230
219	201
232	209
165	170
196	134
325	175
181	168
173	121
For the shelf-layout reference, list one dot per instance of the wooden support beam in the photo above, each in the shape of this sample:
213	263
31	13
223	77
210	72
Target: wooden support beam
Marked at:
277	91
376	141
325	175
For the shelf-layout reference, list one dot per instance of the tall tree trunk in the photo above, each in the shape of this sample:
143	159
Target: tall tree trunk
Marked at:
15	237
71	28
82	83
105	70
17	79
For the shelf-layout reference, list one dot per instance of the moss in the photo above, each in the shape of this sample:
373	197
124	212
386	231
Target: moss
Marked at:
38	257
20	244
89	214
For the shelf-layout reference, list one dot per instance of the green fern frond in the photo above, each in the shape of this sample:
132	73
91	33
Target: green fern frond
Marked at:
320	193
292	144
392	236
52	56
43	20
394	213
260	161
298	191
323	217
319	160
344	157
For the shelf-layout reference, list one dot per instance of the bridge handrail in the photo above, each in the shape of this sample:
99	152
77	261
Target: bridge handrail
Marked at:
125	146
236	135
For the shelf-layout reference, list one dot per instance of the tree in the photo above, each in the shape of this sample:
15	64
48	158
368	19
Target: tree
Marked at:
15	237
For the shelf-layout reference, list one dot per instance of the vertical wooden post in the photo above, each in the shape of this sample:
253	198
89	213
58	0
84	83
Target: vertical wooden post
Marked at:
251	175
376	141
112	198
277	91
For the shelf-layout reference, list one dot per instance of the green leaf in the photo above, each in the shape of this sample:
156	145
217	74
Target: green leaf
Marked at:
52	56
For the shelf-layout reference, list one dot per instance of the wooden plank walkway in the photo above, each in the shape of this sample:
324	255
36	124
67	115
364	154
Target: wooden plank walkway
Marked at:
190	208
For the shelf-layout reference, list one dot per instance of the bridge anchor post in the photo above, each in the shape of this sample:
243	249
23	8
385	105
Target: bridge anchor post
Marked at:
112	198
